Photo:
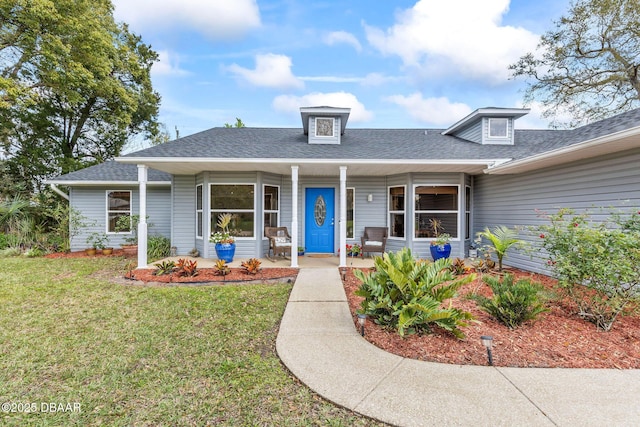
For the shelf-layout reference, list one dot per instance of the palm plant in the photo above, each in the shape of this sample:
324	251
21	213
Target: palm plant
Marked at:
408	295
502	238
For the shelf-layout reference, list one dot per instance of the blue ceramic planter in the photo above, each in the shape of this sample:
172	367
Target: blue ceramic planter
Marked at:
225	251
440	251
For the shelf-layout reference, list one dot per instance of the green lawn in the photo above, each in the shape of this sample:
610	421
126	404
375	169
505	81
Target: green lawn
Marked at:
145	355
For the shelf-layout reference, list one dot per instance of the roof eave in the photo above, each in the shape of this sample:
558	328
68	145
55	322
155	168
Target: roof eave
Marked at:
613	143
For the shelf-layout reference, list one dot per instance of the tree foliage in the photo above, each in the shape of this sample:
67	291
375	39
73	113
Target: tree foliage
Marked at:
238	124
588	65
74	86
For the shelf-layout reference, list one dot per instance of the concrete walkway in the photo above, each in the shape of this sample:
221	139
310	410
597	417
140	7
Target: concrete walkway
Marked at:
320	345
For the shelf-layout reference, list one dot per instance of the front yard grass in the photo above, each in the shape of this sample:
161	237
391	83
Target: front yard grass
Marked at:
145	355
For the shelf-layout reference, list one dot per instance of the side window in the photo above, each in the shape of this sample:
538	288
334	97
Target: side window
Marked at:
118	205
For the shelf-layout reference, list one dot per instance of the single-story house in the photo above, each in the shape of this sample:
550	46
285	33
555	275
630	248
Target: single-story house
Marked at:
326	182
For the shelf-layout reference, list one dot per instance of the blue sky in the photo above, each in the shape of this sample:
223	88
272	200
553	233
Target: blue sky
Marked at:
396	64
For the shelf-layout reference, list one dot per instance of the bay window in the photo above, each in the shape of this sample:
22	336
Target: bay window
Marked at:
271	206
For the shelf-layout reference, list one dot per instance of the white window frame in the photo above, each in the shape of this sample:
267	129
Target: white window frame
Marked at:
354	212
333	127
264	208
457	212
390	212
106	225
255	221
506	128
200	211
467	211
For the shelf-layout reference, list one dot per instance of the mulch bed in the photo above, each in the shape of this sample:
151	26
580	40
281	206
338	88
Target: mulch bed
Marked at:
209	275
557	339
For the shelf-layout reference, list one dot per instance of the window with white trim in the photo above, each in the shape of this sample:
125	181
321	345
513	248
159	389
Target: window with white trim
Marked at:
351	212
498	128
436	203
467	211
118	204
396	211
199	221
237	200
271	205
324	126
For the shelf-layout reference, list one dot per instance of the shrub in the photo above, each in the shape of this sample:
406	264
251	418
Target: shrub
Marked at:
595	262
221	268
164	267
185	267
251	266
9	252
512	303
408	296
458	267
501	238
158	247
4	241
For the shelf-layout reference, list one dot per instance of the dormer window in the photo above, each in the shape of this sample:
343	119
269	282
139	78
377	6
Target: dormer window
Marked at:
324	126
498	128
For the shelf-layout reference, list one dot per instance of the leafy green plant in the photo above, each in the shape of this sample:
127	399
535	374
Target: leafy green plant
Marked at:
221	268
512	303
408	295
595	262
252	265
165	267
186	267
158	247
97	240
501	238
4	241
223	236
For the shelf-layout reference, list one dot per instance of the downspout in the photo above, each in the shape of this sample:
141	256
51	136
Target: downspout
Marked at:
59	191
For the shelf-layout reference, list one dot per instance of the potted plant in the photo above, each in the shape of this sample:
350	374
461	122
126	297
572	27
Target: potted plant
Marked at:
95	241
300	250
225	242
440	246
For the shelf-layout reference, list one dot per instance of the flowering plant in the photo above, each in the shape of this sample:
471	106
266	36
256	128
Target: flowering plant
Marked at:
354	250
223	236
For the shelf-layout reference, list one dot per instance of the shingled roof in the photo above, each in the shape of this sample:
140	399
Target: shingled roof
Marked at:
377	146
110	172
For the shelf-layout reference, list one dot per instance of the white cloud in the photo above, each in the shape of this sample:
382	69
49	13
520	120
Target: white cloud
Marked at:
463	37
216	19
167	65
271	71
337	37
434	111
288	103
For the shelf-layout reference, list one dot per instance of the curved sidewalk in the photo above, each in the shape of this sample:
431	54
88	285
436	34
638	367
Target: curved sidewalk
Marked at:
320	345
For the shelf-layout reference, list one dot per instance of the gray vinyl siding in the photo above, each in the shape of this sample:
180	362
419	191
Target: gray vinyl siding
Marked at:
512	200
184	208
472	133
91	203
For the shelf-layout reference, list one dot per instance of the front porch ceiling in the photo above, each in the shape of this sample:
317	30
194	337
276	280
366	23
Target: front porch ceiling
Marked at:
312	168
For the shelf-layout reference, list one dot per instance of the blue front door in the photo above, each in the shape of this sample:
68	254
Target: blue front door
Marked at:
319	220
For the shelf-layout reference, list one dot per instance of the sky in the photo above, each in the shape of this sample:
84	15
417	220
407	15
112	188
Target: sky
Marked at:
396	64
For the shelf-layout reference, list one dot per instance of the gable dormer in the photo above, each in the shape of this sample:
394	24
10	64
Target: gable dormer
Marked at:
488	125
324	125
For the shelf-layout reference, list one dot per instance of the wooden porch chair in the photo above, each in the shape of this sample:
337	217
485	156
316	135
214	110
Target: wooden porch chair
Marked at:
279	242
374	239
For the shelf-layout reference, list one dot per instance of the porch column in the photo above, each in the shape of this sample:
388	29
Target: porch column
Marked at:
294	216
343	216
142	225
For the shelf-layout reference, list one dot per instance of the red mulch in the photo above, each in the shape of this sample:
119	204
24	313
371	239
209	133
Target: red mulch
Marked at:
205	275
557	339
208	275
